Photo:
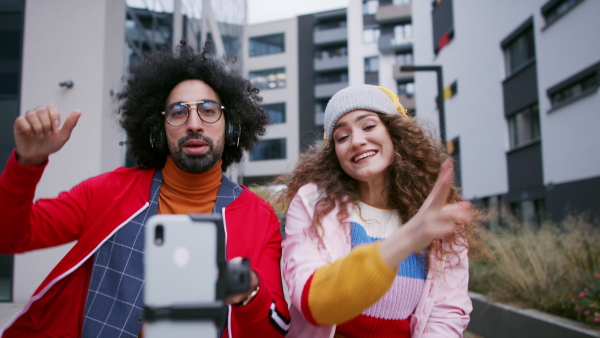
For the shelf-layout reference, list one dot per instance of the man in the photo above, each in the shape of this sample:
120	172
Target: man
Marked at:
187	118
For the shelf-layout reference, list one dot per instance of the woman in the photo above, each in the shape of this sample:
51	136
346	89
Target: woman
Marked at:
363	254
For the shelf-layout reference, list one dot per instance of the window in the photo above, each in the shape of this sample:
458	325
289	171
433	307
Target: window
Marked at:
269	150
6	278
147	30
269	78
442	20
11	41
451	90
370	34
520	51
402	34
575	90
268	44
320	105
335	77
276	112
530	212
406	88
401	2
372	64
554	9
10	53
404	59
231	44
329	52
370	7
575	87
524	127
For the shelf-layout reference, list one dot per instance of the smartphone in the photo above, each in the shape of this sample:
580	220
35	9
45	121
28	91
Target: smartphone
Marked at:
183	294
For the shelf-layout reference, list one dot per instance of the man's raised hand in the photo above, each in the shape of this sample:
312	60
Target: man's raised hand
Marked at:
38	133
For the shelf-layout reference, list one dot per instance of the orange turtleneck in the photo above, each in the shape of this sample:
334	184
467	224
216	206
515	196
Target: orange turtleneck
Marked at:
183	193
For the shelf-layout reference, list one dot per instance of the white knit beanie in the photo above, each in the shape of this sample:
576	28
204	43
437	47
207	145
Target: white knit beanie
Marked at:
359	97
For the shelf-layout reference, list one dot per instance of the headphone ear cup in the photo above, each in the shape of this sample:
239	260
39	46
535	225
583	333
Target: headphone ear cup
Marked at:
232	134
159	142
162	141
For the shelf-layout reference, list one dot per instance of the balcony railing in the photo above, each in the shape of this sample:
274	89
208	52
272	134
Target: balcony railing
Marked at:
330	35
390	44
328	89
329	63
393	13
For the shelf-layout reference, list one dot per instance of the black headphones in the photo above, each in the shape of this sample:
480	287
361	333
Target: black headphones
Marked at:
158	140
232	134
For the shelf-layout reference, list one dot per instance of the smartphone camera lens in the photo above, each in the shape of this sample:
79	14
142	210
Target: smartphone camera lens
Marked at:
159	233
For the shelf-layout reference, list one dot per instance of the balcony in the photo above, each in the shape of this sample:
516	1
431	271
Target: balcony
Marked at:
389	44
328	89
525	167
393	14
331	63
520	88
400	75
329	36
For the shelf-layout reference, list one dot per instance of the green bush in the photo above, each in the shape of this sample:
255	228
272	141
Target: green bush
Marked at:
552	268
587	301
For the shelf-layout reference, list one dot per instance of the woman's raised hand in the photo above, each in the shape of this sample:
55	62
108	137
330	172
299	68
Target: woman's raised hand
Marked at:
435	219
38	133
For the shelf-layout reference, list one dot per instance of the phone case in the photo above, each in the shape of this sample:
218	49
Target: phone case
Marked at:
182	296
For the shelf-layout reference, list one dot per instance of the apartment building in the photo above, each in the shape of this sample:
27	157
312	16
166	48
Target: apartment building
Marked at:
271	64
521	99
319	54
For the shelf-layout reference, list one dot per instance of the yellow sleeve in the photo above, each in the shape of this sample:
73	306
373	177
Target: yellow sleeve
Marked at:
340	291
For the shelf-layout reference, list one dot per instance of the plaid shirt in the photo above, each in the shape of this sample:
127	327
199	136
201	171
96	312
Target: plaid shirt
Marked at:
115	297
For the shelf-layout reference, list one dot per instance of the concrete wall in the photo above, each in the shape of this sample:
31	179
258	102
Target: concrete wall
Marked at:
81	41
356	62
569	134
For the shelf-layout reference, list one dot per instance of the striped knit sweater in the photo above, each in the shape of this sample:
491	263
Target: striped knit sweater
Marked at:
382	299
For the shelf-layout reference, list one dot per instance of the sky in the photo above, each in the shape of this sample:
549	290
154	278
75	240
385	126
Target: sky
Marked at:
271	10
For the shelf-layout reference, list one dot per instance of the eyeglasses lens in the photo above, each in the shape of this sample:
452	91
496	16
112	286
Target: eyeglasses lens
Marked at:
209	112
177	114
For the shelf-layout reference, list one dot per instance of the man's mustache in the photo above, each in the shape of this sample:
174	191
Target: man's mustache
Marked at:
196	136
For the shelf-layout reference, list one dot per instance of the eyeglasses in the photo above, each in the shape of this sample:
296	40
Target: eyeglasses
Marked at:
178	114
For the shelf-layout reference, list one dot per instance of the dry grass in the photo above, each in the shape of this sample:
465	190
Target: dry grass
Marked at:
538	267
270	194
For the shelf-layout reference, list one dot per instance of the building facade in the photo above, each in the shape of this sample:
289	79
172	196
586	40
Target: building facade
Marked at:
521	99
271	63
367	42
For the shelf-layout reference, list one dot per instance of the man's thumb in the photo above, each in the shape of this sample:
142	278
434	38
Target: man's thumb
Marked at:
70	123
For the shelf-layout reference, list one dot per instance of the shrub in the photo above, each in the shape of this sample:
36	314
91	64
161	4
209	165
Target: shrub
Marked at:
546	267
587	301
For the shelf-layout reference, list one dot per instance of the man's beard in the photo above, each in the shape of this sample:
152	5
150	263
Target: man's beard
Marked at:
195	164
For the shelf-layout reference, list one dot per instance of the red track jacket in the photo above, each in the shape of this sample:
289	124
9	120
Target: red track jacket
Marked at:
90	213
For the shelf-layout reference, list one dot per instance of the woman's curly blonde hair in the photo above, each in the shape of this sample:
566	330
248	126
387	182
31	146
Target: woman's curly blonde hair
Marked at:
417	161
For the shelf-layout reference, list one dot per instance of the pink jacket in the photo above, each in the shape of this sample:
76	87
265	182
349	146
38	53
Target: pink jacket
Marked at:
444	307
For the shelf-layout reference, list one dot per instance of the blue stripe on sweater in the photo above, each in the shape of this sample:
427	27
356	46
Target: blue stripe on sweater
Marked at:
412	267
